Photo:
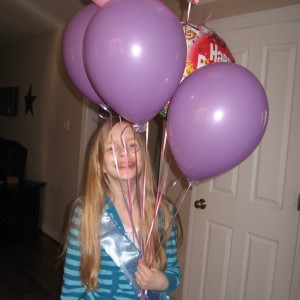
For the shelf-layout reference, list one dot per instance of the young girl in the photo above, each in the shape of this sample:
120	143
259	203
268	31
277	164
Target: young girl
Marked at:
109	254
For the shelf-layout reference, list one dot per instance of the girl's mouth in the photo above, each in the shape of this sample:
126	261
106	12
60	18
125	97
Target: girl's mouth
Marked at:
126	165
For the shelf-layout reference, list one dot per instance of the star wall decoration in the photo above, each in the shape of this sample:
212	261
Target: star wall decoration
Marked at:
29	99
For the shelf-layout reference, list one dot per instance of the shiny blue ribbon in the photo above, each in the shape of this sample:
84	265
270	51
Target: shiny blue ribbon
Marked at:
125	255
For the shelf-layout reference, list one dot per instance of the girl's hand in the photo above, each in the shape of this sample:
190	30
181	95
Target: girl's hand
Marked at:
150	279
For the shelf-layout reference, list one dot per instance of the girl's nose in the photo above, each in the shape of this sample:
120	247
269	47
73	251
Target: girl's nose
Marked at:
122	151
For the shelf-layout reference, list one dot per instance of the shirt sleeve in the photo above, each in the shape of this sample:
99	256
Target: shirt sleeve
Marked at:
172	271
73	287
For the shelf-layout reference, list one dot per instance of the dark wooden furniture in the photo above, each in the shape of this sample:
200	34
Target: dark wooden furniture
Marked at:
19	208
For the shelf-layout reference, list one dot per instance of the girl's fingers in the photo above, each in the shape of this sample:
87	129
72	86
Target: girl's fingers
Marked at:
142	268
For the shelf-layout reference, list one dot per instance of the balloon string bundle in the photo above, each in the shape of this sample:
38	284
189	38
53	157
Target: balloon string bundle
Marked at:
173	219
141	195
135	236
159	191
127	200
144	190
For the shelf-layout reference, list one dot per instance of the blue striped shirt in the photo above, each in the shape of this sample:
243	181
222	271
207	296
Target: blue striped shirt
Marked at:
111	281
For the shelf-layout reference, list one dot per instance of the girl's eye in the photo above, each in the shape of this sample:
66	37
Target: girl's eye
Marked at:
109	149
134	146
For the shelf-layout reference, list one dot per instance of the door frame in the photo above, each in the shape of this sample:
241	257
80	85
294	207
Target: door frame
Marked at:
89	122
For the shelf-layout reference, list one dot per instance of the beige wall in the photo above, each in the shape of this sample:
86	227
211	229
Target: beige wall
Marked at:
52	151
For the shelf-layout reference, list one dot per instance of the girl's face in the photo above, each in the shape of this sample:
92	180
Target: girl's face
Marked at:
122	152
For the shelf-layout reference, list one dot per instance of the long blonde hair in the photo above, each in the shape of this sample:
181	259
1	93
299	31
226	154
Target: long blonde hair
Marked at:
92	204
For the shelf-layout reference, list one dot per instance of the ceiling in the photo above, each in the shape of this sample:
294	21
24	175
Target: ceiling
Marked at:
21	19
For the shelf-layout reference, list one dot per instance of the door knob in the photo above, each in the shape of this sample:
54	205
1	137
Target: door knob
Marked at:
200	204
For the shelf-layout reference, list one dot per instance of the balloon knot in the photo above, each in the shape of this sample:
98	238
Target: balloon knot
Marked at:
140	128
193	182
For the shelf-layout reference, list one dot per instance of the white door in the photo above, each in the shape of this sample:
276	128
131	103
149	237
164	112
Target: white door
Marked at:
242	246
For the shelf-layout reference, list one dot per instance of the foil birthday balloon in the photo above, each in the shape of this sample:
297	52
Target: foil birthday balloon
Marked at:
204	47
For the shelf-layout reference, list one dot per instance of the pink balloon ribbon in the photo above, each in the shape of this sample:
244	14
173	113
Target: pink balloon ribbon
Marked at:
188	12
190	2
144	190
207	18
174	218
159	195
159	190
135	236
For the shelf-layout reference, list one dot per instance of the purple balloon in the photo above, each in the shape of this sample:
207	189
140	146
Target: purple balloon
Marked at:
72	49
135	52
216	119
